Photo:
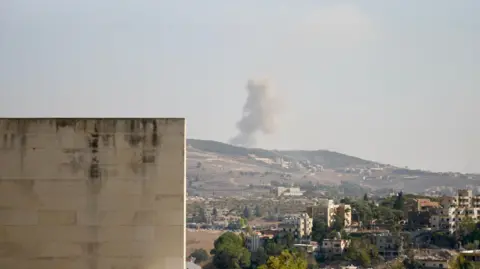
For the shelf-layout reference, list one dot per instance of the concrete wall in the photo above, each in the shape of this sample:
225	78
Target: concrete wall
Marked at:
92	194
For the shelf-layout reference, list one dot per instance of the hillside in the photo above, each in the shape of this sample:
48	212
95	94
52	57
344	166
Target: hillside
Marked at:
222	168
328	159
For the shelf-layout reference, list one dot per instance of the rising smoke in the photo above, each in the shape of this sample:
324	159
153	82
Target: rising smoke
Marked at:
259	114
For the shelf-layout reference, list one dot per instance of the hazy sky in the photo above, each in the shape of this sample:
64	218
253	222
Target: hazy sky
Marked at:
392	81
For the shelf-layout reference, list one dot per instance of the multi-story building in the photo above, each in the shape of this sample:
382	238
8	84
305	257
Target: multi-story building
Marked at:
327	209
389	245
299	225
419	211
334	247
322	209
420	205
345	211
456	209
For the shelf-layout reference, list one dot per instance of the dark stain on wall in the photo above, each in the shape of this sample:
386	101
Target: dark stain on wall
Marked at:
62	123
5	141
154	133
134	138
94	169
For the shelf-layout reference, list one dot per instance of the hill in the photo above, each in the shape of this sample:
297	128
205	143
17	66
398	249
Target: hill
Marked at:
328	159
229	170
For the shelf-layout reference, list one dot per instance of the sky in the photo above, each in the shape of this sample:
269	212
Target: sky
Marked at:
389	81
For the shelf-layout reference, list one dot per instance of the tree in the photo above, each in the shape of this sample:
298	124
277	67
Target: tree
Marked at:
397	265
246	213
365	197
460	262
200	255
273	248
467	226
338	222
243	222
258	211
214	212
319	230
201	217
260	256
248	230
399	203
286	260
229	252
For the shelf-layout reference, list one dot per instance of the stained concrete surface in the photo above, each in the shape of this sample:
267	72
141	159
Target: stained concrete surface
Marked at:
92	193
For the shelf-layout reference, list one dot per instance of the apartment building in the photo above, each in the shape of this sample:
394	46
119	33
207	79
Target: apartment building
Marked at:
389	245
419	211
456	209
299	225
420	204
334	247
327	209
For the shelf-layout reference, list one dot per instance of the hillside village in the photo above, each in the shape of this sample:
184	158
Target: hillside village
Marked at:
403	229
216	168
333	214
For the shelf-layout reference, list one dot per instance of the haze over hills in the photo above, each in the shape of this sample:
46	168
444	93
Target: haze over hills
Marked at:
222	168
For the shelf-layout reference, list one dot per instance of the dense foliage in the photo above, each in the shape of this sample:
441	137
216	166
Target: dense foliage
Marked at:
200	255
229	252
286	260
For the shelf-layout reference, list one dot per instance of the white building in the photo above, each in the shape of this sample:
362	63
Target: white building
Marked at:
455	210
300	225
282	191
327	209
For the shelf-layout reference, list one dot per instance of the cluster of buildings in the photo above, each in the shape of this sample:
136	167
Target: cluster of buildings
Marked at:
455	209
446	214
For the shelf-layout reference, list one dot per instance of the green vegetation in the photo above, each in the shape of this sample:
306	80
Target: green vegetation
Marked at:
229	252
461	263
286	260
247	213
200	255
362	252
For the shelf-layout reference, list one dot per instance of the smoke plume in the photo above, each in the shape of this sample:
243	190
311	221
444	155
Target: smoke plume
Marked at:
259	114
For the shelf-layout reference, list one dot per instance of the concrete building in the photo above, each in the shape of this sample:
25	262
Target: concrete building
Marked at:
389	245
327	209
282	191
472	255
420	205
435	263
300	225
456	209
334	247
434	258
345	211
92	193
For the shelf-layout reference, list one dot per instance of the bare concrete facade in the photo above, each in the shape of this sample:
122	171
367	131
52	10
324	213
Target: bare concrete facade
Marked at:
92	194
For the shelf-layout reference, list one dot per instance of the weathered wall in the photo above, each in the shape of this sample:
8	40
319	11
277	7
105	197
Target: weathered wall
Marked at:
92	194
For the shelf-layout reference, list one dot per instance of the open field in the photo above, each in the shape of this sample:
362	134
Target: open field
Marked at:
201	239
